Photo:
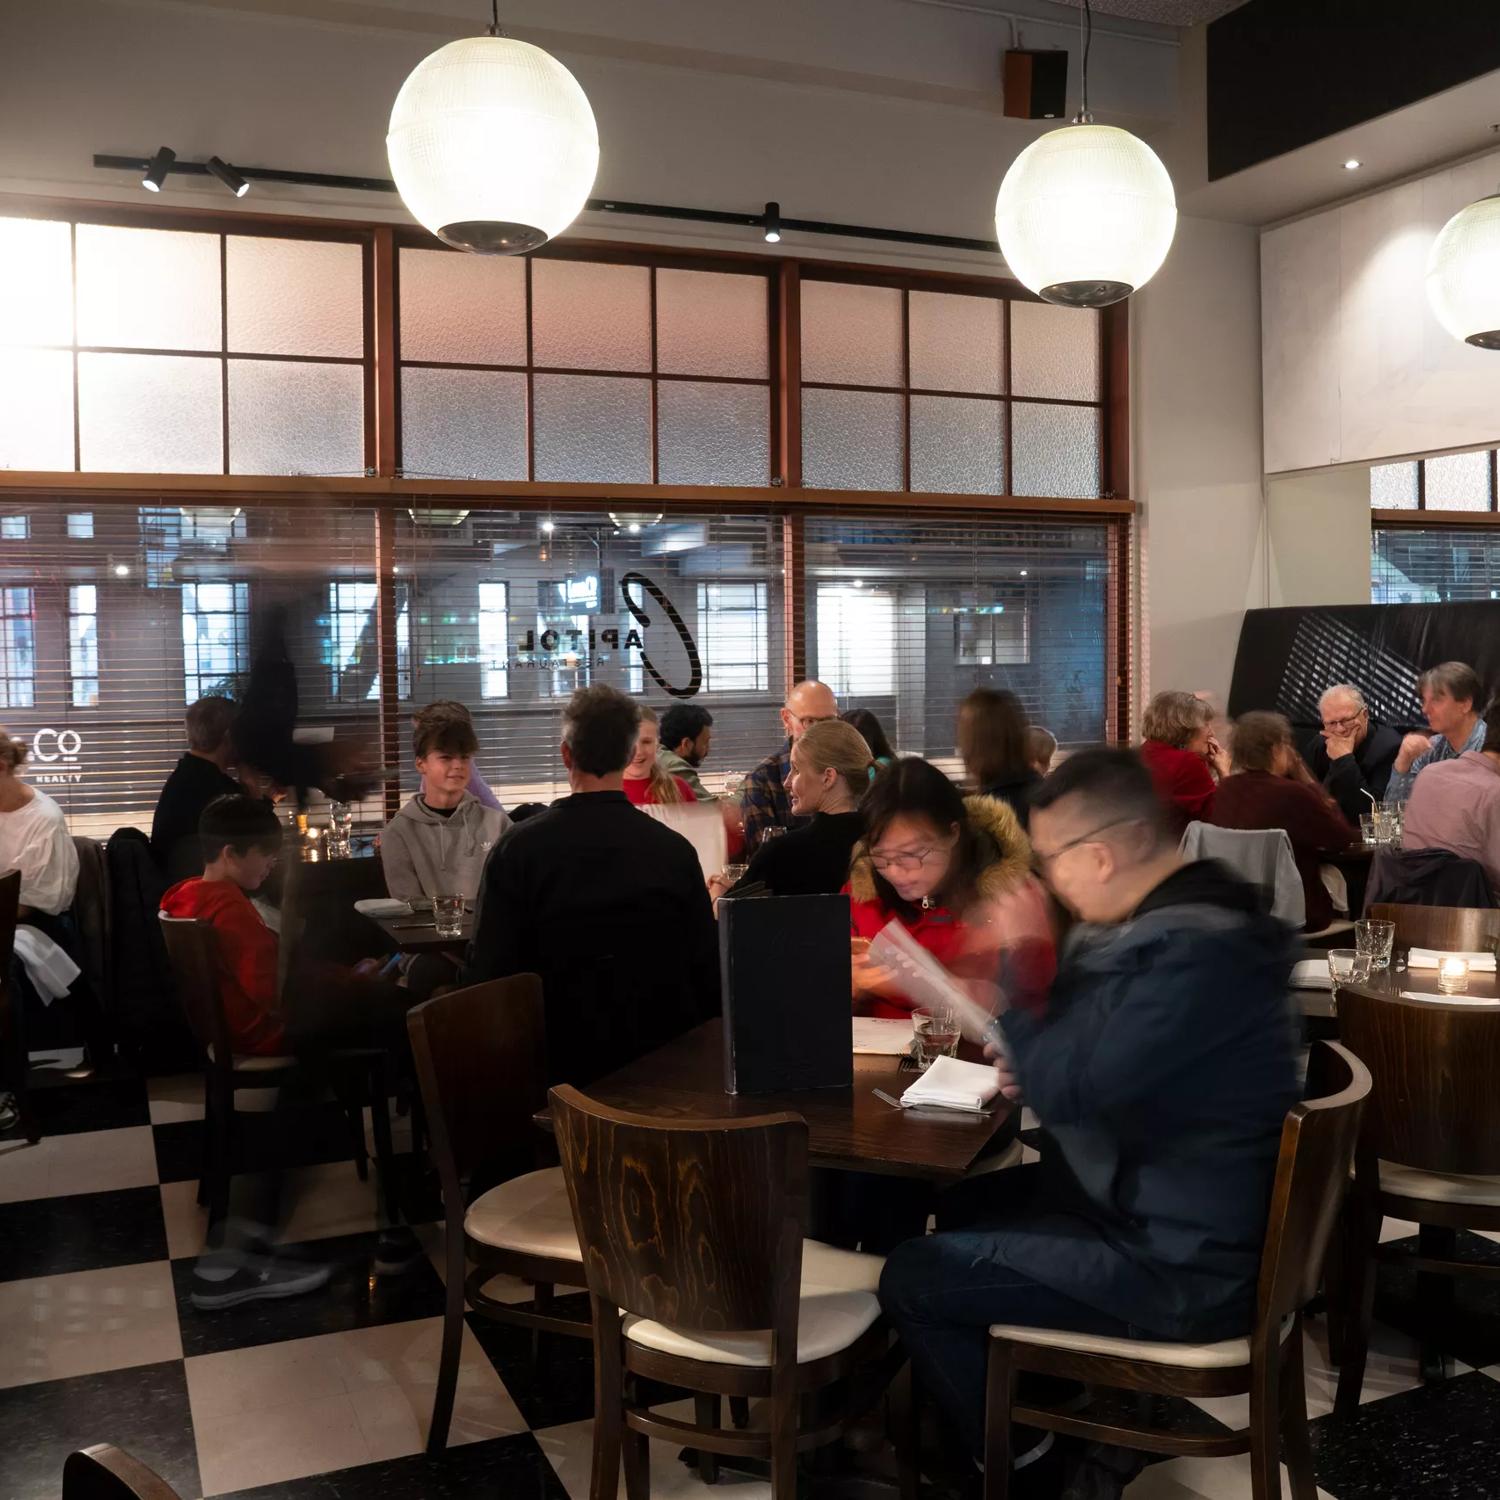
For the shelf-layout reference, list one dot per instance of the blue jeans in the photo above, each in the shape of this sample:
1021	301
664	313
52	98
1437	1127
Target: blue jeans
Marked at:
942	1292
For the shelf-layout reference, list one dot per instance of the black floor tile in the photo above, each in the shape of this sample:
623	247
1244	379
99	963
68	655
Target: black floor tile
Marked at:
1434	1441
509	1468
302	1138
1469	1329
66	1107
81	1232
564	1390
143	1410
353	1298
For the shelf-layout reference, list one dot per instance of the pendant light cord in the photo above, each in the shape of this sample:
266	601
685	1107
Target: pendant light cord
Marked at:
1086	36
495	18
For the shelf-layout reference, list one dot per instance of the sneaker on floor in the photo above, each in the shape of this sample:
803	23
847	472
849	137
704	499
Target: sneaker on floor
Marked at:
229	1278
397	1251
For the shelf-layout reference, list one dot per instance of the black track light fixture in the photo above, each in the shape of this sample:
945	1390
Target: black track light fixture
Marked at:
157	169
773	223
228	176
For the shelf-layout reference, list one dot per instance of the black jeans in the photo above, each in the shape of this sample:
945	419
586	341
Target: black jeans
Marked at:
944	1290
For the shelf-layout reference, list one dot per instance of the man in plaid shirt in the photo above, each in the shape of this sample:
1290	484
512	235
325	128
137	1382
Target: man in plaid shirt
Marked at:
766	801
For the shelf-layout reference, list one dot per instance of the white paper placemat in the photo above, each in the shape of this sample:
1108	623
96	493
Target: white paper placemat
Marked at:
882	1036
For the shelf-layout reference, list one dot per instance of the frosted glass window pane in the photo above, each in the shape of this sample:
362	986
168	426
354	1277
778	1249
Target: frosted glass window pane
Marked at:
851	334
463	424
1393	487
150	413
957	343
851	440
591	427
36	282
712	323
1056	450
470	309
295	297
298	418
712	433
587	316
148	288
36	409
1461	481
1054	351
957	446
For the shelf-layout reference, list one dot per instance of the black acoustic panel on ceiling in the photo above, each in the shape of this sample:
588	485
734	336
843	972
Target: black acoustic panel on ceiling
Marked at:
1287	657
1286	73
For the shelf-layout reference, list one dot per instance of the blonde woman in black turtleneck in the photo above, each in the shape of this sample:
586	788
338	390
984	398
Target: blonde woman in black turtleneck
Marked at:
831	766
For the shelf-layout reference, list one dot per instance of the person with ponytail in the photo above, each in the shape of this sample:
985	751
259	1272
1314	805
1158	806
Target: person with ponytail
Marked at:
645	781
831	768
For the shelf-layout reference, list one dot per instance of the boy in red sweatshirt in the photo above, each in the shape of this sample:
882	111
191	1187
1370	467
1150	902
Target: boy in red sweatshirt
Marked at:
242	840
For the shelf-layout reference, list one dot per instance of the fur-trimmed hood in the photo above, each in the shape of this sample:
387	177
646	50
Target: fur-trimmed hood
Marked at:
1000	830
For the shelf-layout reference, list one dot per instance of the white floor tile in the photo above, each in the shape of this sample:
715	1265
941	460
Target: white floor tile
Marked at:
370	1392
175	1099
54	1327
1201	1479
91	1161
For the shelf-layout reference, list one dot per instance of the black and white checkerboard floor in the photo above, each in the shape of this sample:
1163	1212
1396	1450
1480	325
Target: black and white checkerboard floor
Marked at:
329	1395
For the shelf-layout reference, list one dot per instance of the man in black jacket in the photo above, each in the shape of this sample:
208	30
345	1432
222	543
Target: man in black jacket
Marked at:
608	905
1352	754
196	780
1162	1071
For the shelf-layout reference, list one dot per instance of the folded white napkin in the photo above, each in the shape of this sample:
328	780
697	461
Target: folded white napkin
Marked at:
47	966
382	906
1311	974
1428	958
951	1084
1447	999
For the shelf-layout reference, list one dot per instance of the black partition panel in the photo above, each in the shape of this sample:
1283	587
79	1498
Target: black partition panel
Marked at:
1287	657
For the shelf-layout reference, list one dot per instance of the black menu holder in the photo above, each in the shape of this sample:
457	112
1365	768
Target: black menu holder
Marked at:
784	963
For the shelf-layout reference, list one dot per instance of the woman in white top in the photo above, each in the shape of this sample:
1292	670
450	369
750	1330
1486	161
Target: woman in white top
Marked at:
34	840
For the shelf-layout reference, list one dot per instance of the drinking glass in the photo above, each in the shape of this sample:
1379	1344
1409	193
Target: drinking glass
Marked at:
1367	827
1347	966
1375	939
448	915
773	832
340	827
936	1033
735	873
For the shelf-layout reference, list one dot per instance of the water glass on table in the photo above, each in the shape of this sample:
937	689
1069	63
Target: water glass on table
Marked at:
936	1033
340	827
448	915
1367	829
1375	939
1347	966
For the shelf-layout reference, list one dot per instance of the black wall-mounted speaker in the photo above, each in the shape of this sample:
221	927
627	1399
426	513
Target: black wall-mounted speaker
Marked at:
1036	84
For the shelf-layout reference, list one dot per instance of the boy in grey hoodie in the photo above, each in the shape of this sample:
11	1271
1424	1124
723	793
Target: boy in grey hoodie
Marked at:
438	843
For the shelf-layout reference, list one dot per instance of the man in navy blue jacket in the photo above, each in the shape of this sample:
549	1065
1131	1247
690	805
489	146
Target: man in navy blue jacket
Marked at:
1162	1072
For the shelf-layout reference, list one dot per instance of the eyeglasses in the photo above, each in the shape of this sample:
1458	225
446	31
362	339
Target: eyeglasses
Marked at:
1336	726
1091	836
907	861
808	720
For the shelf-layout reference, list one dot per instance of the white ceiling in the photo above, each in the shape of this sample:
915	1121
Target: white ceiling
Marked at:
1161	12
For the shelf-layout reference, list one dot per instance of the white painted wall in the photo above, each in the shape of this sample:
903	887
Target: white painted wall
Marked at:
1318	530
1357	369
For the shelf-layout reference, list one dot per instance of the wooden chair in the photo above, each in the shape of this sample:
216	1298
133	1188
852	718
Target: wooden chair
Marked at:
1450	929
105	1472
699	1278
190	950
1317	1147
1429	1152
15	1065
481	1065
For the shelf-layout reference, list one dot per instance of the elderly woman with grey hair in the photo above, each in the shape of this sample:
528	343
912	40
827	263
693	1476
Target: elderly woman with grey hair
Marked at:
1353	752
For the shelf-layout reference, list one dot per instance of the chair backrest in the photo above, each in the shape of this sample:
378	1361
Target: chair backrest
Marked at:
1454	929
1261	856
109	1473
1318	1139
1426	877
697	1223
1436	1105
10	902
190	951
481	1058
92	913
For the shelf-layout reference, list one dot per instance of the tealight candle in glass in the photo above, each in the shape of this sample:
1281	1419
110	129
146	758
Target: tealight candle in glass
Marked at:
1453	976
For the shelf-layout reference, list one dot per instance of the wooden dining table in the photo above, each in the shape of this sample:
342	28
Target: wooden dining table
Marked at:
416	932
848	1128
1320	1004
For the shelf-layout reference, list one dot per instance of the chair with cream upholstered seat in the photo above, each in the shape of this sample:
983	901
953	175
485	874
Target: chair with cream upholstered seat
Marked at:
1429	1153
1317	1148
480	1055
700	1278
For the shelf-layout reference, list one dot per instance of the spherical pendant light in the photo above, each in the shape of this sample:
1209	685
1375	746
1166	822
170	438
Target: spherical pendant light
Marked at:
1085	215
493	145
1463	274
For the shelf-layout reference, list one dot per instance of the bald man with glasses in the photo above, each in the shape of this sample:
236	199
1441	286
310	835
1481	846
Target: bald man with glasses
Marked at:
1353	753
